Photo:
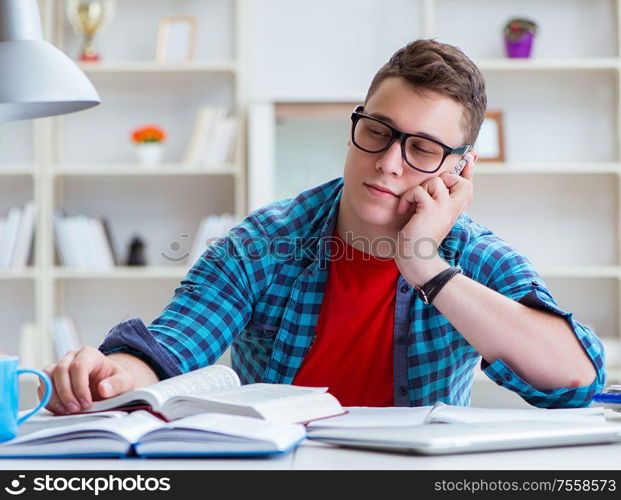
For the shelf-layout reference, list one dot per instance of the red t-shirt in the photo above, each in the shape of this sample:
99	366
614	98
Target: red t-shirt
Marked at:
352	354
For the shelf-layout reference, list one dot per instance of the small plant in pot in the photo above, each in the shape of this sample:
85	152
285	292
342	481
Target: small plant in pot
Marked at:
519	35
148	140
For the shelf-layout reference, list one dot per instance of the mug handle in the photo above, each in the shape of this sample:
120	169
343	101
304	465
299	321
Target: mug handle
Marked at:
48	392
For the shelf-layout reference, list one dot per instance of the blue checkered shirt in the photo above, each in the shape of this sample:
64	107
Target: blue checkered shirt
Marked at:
259	290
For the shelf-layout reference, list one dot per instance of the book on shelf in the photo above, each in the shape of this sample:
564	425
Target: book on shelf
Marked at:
217	389
213	139
17	236
83	242
108	236
121	434
219	150
65	335
210	229
24	238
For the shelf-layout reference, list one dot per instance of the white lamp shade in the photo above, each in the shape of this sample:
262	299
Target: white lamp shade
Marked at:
39	80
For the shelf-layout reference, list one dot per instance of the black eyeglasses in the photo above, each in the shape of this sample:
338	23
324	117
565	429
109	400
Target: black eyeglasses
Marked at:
422	153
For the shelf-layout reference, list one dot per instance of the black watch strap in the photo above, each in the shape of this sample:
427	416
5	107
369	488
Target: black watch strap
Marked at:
430	289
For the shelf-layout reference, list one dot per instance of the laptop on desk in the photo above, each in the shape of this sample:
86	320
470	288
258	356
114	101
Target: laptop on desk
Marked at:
438	439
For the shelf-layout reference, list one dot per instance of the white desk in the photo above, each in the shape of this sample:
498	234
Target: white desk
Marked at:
313	455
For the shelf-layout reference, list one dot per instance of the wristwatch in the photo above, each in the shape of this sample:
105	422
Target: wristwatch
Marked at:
430	289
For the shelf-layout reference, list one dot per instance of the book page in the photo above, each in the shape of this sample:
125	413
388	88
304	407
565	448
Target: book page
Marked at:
130	428
254	394
47	420
363	416
213	424
197	382
443	413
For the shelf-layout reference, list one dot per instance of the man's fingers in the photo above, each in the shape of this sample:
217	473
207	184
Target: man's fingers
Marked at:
62	384
79	374
436	188
117	384
405	201
53	404
88	368
468	172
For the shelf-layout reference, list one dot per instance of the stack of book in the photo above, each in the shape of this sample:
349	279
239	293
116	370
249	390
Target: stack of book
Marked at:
16	236
211	229
84	242
212	145
205	412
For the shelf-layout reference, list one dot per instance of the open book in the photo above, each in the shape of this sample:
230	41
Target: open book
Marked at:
441	413
140	433
415	430
217	389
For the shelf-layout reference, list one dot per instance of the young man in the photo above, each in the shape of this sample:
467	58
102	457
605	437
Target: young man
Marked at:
377	284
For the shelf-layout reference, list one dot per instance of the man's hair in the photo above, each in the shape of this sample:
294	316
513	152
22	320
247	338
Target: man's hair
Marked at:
429	65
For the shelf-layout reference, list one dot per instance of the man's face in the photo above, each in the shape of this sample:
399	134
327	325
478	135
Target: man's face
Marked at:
396	103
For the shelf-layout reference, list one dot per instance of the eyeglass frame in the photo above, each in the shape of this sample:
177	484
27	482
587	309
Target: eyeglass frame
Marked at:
402	137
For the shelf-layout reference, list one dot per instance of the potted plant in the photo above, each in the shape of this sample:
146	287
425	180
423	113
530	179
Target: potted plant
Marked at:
519	34
148	140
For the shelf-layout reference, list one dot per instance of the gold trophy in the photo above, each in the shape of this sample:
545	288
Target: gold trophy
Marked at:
87	17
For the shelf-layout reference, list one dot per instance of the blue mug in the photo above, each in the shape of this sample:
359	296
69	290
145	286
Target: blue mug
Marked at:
9	396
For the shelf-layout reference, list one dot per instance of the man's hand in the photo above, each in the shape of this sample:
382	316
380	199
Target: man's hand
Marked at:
87	375
437	203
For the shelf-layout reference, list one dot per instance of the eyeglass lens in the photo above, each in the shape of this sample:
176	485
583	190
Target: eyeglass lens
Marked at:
421	153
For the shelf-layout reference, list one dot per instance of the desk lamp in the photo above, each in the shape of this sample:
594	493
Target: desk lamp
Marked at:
36	79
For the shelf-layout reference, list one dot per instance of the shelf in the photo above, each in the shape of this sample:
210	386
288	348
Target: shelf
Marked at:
580	271
133	169
508	168
153	68
16	170
14	274
584	64
122	272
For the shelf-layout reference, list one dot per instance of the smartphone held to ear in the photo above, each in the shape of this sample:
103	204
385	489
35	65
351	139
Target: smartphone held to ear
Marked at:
461	165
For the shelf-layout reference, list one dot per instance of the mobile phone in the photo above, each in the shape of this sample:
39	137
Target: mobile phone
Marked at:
461	165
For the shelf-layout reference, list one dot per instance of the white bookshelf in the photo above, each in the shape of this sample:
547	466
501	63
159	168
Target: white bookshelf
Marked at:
154	68
130	170
548	64
84	164
122	273
562	119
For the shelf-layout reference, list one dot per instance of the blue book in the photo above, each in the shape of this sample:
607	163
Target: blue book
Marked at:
141	434
610	397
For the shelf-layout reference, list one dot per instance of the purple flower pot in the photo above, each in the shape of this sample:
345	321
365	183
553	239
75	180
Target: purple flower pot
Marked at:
521	47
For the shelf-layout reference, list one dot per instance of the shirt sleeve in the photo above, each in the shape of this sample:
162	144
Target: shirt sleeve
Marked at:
212	304
492	262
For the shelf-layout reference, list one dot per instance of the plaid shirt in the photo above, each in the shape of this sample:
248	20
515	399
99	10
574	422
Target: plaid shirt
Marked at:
260	288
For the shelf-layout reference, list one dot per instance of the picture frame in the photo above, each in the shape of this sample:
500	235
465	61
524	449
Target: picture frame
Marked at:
490	144
176	40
